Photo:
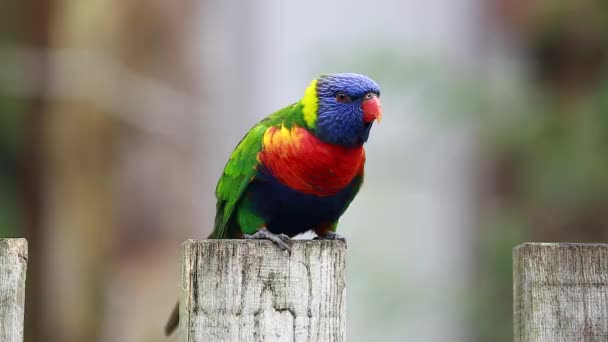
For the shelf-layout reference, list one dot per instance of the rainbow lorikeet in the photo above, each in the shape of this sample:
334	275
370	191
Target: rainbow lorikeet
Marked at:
299	168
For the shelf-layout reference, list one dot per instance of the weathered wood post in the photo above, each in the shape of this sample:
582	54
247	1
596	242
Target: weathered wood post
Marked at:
560	292
13	266
245	290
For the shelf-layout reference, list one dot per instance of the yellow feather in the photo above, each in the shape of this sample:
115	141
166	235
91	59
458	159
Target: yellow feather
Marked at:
267	140
310	104
277	140
285	134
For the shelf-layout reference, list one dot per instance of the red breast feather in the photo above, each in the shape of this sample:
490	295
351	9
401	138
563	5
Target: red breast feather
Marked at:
301	161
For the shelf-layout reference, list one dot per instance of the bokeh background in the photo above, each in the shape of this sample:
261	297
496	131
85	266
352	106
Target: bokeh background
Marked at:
117	117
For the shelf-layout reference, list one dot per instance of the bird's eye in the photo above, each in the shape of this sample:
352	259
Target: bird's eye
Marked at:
342	98
369	95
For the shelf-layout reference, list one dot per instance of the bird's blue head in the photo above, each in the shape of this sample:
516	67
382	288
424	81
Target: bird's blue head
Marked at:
341	108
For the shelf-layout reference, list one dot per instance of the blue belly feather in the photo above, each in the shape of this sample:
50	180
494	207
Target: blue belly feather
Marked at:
292	212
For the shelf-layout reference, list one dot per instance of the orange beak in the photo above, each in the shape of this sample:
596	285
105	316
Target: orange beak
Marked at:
372	110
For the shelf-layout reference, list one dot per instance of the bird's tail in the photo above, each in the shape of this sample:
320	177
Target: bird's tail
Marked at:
173	321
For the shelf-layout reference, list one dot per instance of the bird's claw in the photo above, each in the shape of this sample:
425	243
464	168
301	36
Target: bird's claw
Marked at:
281	240
284	237
331	236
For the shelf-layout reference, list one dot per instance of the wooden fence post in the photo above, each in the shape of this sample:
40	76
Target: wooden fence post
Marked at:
560	292
250	290
13	266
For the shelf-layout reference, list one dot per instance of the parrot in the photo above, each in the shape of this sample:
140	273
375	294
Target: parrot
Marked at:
299	168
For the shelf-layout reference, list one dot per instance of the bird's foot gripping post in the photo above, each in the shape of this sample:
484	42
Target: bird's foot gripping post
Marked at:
250	290
331	236
281	240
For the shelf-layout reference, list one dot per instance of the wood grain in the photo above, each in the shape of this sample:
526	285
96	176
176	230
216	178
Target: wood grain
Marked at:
13	267
560	292
238	290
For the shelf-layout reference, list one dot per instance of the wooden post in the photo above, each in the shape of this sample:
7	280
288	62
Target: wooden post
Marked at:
560	292
13	265
250	290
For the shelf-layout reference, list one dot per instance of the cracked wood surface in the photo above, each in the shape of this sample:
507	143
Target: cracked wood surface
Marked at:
560	292
13	265
248	290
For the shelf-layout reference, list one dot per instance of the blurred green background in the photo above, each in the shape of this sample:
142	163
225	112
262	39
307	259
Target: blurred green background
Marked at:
117	117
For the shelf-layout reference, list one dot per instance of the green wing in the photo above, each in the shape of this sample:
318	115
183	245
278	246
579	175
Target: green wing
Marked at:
242	168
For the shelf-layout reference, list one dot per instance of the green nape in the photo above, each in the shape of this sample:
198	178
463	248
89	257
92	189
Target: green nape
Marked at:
242	168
